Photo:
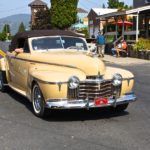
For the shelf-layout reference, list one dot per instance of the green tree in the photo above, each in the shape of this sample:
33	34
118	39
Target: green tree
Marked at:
2	36
117	4
43	20
63	13
113	3
21	27
84	31
6	28
6	31
103	6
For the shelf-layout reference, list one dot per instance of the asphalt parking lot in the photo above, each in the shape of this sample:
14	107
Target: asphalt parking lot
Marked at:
94	130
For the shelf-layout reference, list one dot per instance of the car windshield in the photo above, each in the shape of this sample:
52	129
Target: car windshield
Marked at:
59	42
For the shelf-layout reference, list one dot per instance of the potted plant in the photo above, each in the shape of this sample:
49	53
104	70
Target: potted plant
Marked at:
141	48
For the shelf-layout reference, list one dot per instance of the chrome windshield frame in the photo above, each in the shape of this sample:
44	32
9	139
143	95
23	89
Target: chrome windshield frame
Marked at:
44	50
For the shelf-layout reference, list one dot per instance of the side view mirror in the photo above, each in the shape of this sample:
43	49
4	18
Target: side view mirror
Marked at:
19	50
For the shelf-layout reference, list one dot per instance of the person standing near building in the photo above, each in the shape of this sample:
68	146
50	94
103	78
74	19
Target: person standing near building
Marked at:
100	41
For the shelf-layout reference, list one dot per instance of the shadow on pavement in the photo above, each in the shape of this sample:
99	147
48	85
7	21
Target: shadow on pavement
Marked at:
19	98
82	115
69	115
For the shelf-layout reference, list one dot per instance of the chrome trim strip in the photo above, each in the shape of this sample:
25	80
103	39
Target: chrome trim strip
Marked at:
80	103
95	81
85	81
132	78
47	82
102	80
54	64
31	61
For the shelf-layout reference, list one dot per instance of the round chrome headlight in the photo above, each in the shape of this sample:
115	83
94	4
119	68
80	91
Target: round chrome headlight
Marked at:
73	82
117	80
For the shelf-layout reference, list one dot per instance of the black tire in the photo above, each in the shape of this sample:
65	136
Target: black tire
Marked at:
38	101
120	108
2	86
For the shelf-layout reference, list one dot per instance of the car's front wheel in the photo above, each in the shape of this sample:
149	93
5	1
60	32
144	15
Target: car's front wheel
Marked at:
38	101
2	86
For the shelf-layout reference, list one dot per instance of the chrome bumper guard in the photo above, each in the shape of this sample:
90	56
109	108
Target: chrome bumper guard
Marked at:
80	104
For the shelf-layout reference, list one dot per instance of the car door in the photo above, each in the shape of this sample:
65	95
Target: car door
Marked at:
11	69
22	61
18	66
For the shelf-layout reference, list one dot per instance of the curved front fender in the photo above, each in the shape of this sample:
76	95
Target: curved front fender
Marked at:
53	84
128	78
52	77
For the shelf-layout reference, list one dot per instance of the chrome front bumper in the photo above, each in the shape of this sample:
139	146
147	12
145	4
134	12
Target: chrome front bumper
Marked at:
81	104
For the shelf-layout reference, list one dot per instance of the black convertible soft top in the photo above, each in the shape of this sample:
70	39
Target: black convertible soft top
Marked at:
35	33
38	33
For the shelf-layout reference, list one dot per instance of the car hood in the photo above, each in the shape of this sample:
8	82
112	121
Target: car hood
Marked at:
88	64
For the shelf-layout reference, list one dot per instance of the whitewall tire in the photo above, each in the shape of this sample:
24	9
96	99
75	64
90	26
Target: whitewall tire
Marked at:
38	101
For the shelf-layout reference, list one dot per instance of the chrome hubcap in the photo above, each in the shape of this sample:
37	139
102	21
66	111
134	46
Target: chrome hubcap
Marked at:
37	100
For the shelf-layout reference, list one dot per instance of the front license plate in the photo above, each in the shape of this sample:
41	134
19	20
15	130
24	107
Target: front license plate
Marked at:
101	101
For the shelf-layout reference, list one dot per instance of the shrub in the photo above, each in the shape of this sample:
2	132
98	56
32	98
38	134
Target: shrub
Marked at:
142	44
84	31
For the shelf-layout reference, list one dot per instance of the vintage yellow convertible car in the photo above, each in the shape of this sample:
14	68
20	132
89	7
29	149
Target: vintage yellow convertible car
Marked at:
55	70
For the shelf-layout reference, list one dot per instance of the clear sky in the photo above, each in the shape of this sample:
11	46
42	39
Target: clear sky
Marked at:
10	7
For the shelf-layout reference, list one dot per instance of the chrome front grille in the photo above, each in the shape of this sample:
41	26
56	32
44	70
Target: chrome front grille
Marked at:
93	77
91	88
73	93
95	89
